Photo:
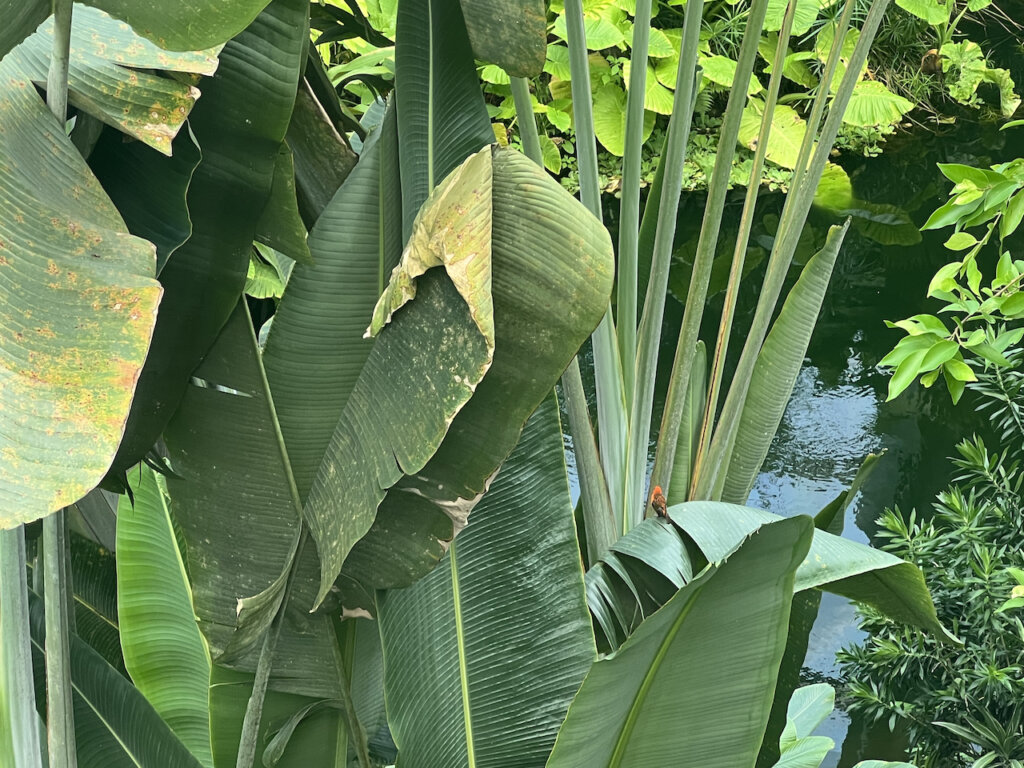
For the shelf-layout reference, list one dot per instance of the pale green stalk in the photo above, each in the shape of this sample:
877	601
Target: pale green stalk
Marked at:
597	508
342	662
18	698
794	215
674	406
60	717
649	335
629	203
525	119
249	738
612	411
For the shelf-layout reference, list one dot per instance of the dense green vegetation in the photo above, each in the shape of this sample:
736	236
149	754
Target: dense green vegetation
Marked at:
283	476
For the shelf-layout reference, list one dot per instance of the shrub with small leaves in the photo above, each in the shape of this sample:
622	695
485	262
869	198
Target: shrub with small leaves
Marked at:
961	706
984	316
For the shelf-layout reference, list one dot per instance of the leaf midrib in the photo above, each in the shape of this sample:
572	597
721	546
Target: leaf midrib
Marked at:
460	641
645	686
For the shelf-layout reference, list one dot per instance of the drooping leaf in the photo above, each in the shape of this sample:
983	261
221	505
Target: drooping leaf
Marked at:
481	658
778	365
629	710
165	654
542	311
610	118
804	16
322	157
932	11
78	305
175	27
112	75
835	564
115	727
512	35
239	124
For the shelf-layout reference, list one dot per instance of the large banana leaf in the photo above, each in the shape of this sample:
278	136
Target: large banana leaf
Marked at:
776	370
484	654
441	114
239	123
184	25
112	74
164	651
841	566
693	685
78	304
21	17
631	581
115	726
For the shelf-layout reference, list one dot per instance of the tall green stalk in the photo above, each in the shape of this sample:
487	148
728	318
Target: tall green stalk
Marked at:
668	211
249	738
60	719
794	215
599	520
18	698
629	204
666	457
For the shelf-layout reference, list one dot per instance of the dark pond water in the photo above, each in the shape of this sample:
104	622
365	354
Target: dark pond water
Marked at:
838	414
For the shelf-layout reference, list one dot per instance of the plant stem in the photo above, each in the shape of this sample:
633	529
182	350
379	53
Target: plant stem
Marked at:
612	412
527	122
19	693
738	259
597	507
629	204
57	74
344	631
60	717
814	154
254	709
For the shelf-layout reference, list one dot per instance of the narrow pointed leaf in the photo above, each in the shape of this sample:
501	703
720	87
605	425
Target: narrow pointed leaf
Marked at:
776	369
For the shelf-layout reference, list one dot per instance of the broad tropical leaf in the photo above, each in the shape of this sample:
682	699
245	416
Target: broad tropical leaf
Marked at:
629	711
843	567
115	727
542	312
112	75
239	123
787	132
512	35
78	305
441	114
174	26
482	657
871	103
778	365
164	651
21	17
